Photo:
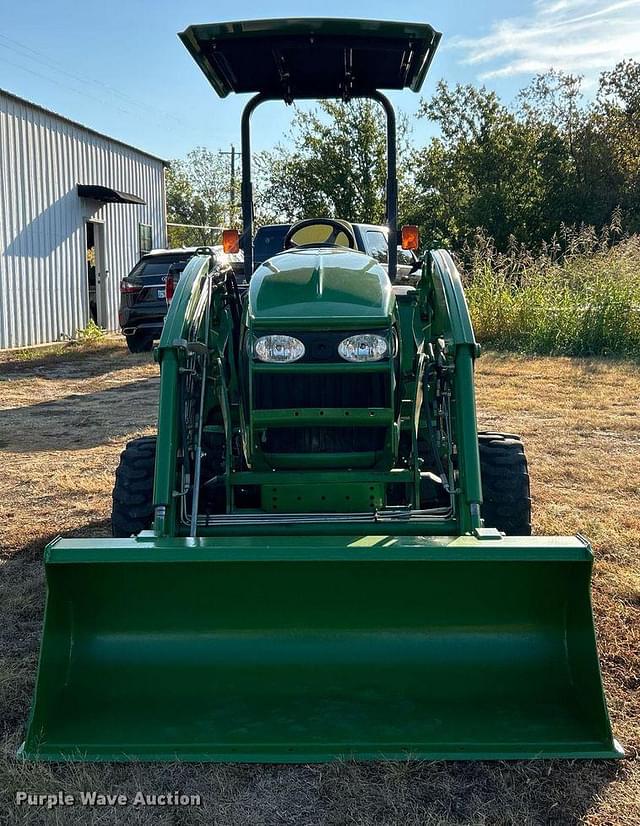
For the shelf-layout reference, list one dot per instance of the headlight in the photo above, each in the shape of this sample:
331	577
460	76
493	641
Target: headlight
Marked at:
278	348
363	347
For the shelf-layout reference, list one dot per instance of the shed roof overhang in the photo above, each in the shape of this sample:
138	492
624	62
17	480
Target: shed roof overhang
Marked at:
107	195
312	58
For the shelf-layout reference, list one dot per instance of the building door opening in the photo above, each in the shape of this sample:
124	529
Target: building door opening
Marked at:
96	273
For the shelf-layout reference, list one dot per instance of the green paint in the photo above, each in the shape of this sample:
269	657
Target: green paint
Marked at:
309	286
365	417
327	616
297	650
319	498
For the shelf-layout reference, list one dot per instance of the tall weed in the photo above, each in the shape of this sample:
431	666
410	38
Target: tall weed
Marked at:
577	295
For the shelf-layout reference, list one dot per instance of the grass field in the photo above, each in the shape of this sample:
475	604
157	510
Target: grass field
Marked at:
65	416
582	301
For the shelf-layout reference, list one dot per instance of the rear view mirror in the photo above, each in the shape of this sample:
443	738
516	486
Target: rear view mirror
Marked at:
410	237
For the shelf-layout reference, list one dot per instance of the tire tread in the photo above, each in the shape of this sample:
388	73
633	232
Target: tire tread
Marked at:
132	509
505	483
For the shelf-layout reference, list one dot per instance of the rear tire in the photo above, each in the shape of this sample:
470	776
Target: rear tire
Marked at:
132	509
505	484
140	342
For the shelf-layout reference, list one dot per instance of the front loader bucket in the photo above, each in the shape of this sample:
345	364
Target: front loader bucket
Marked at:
311	648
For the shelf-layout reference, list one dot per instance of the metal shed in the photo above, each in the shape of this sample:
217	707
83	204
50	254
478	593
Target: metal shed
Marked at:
77	209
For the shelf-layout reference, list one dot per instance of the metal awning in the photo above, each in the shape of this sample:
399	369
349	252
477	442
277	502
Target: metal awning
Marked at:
108	195
312	58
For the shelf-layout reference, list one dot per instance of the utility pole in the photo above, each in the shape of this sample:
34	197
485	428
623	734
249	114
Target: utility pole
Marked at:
232	187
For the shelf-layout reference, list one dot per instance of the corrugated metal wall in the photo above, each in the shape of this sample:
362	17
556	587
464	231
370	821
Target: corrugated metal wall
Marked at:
43	271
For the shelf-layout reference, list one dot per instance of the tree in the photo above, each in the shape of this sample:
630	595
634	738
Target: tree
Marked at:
521	173
588	185
487	169
617	113
333	164
197	194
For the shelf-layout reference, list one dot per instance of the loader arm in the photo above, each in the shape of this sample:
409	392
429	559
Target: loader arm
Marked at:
447	341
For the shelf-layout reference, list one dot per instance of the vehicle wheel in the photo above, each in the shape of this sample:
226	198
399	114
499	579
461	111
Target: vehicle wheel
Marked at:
140	342
132	509
505	484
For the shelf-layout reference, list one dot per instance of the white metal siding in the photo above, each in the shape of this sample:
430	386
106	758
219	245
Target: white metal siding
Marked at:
43	275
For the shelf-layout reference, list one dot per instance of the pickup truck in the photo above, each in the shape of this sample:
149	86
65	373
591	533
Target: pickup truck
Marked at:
370	238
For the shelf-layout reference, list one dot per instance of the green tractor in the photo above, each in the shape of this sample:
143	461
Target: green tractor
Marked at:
318	557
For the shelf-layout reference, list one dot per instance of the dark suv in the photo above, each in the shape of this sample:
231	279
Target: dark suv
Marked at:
143	305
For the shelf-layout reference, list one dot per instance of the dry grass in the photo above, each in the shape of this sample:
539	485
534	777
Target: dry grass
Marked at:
65	420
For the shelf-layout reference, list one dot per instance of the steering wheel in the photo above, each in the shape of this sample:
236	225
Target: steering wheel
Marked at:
337	228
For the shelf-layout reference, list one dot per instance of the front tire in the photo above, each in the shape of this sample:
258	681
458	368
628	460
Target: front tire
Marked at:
505	484
132	509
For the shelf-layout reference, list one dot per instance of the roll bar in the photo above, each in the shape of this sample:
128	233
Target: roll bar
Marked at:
391	200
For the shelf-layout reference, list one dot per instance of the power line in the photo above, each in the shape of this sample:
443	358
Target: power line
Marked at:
48	62
232	183
65	86
118	101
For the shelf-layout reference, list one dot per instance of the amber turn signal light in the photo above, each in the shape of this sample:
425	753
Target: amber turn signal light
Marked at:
410	237
230	240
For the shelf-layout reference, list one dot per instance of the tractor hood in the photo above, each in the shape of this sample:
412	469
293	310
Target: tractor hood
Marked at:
332	286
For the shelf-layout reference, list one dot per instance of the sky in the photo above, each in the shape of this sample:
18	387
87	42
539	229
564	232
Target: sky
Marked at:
119	67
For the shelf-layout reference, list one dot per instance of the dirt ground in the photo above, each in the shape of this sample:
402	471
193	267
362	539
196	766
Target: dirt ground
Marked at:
64	417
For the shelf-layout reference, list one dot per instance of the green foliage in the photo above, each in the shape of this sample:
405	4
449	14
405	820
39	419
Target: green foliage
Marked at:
90	333
197	194
578	295
526	171
334	164
29	354
498	183
618	116
518	171
489	169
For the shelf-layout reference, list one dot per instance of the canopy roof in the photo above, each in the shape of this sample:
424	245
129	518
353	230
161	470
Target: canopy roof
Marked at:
312	58
107	194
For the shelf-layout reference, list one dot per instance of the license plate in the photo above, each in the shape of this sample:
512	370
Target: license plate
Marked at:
161	293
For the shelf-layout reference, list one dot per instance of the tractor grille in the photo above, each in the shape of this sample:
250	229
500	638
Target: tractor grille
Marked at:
324	439
285	392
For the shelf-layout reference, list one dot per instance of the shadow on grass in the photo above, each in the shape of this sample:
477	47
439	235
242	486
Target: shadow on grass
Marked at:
589	363
390	794
82	360
82	420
